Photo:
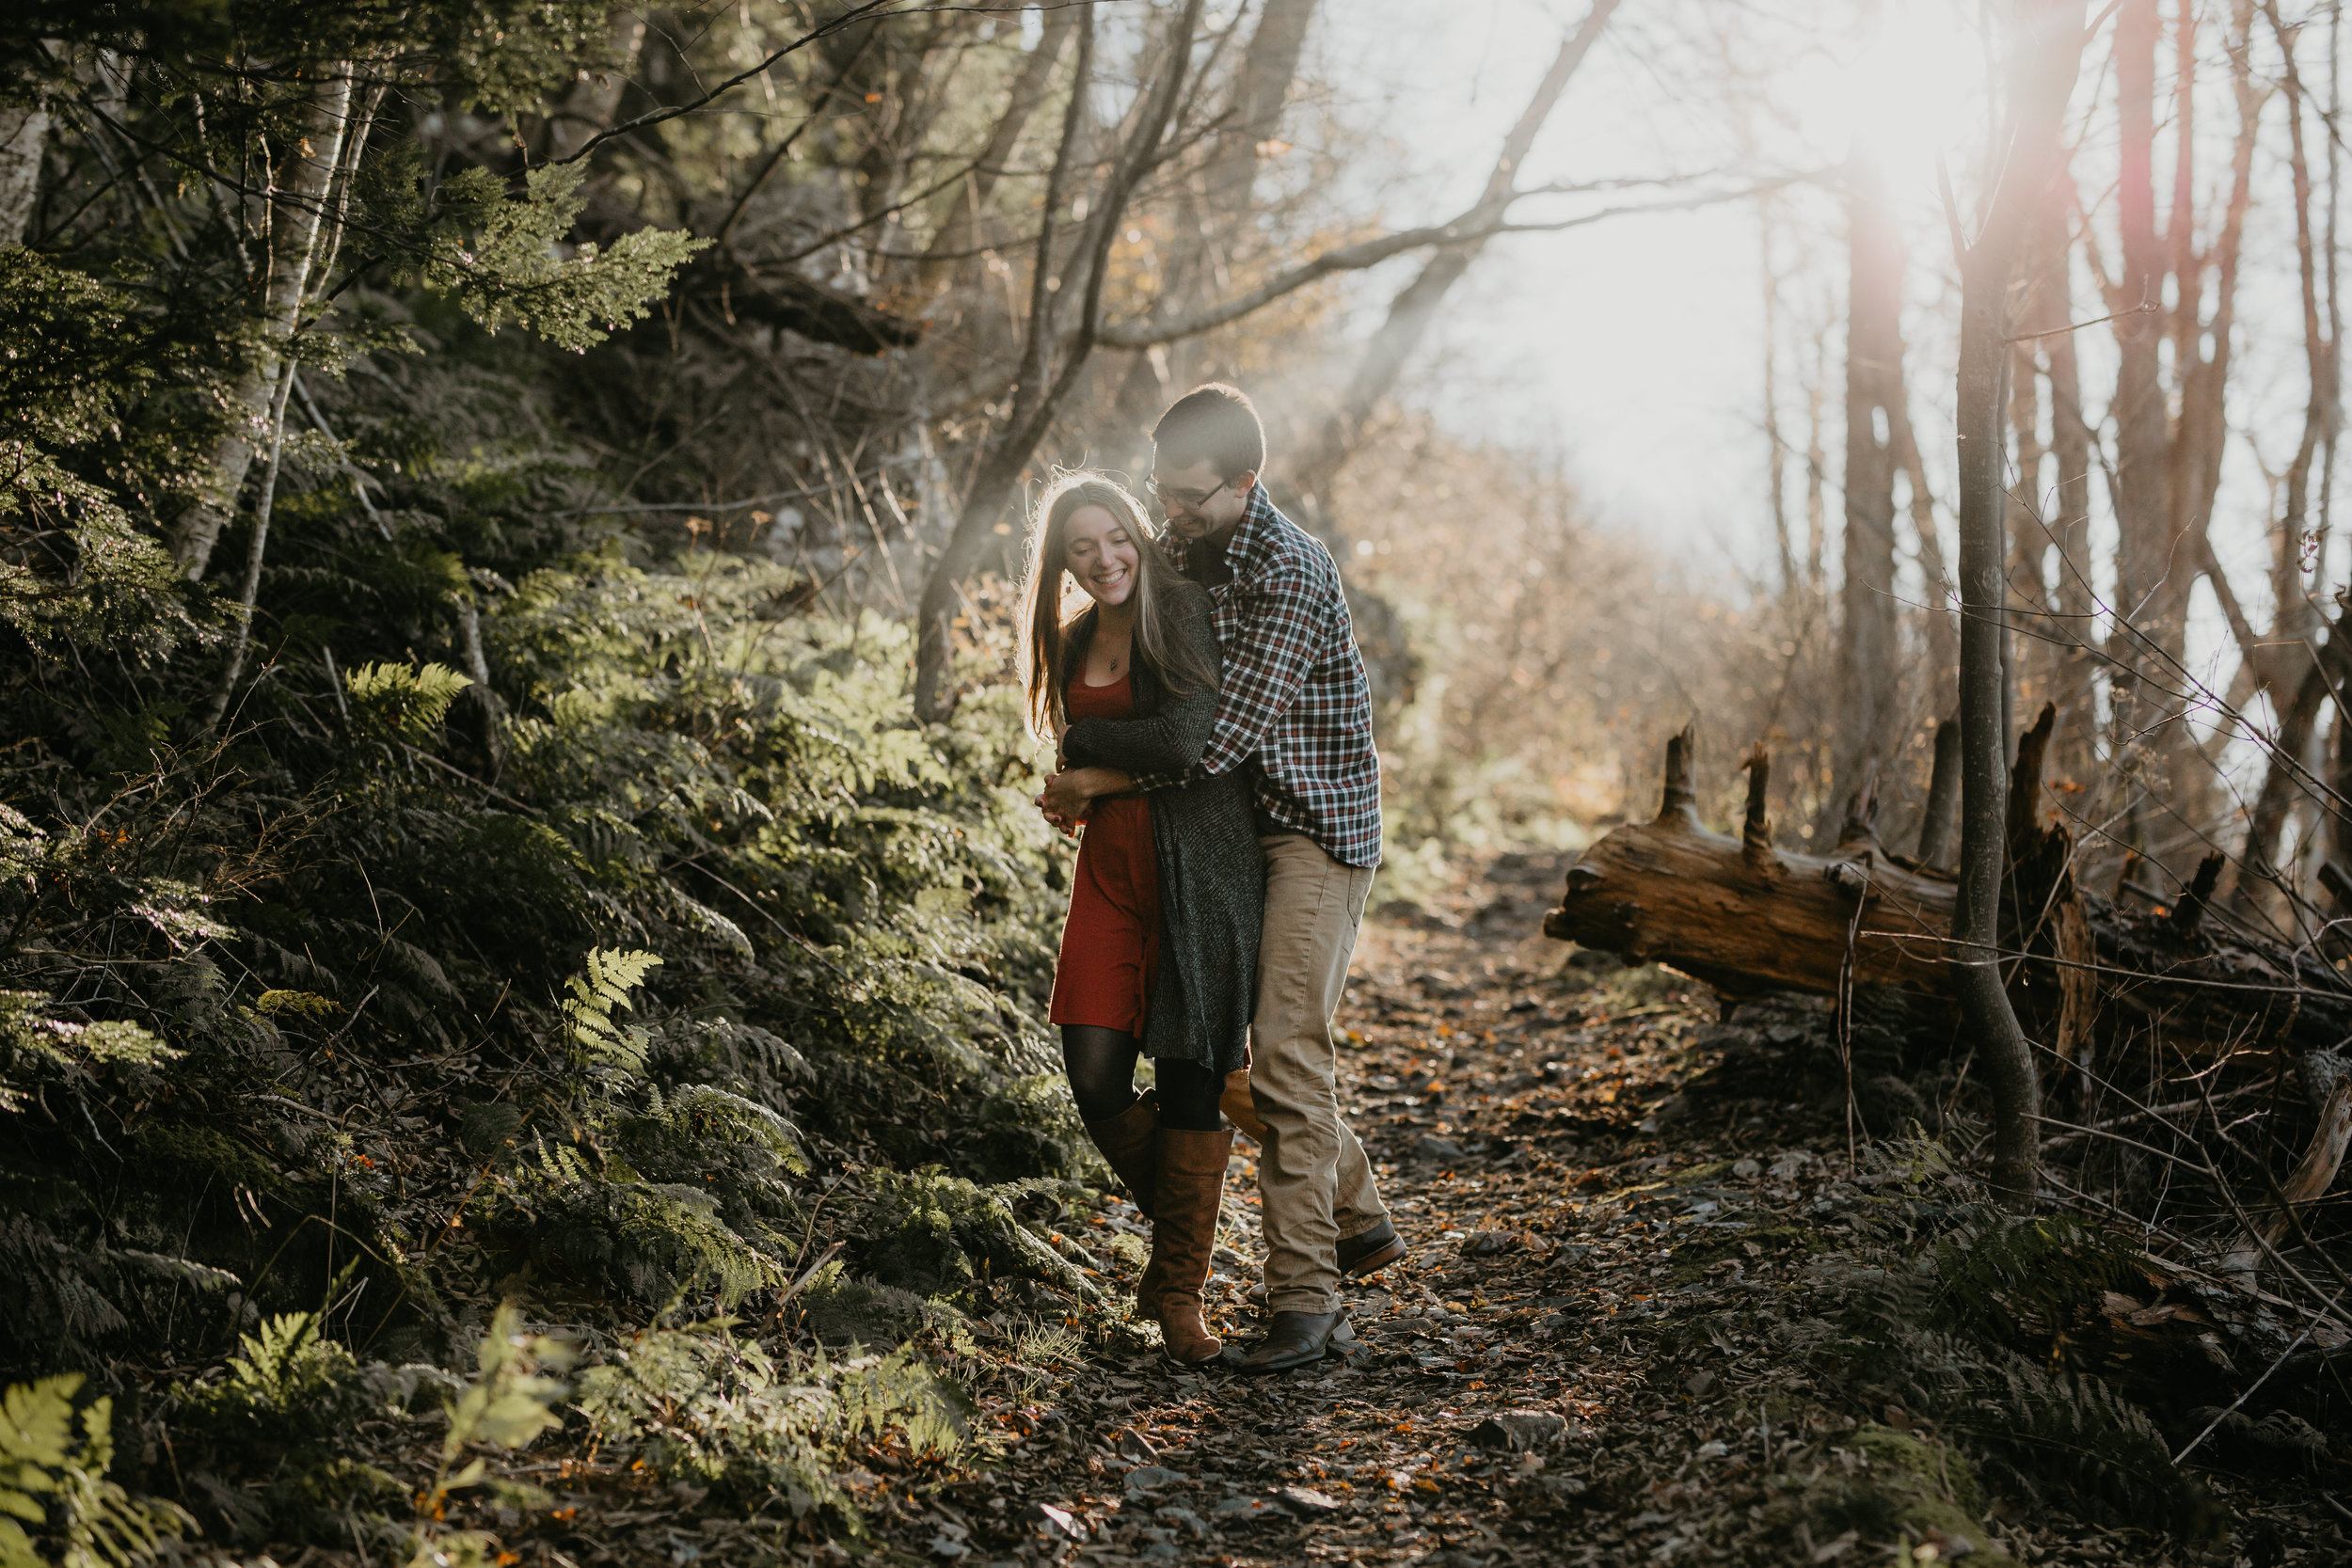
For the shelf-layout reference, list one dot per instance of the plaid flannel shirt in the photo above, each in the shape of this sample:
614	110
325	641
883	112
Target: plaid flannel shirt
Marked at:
1295	701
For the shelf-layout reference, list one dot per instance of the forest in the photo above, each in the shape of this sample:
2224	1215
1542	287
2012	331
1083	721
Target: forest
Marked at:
526	934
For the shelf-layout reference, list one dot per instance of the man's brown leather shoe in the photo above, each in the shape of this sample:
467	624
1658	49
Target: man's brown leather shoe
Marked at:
1295	1339
1371	1252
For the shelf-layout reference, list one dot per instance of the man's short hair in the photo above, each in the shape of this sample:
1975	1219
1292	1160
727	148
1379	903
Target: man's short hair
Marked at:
1215	424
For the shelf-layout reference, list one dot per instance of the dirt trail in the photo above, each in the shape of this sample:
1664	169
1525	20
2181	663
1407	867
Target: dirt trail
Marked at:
1612	1258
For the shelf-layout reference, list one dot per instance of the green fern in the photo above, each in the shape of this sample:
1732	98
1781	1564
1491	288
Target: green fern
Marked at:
2030	1279
302	1003
602	1049
287	1363
700	1133
1939	1339
49	1476
2054	1436
562	1165
402	701
702	1405
288	1385
650	1241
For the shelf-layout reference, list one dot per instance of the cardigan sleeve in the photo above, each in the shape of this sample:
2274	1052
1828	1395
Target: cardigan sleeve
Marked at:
1171	739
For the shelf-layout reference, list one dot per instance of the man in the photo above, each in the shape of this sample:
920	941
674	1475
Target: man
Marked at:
1297	710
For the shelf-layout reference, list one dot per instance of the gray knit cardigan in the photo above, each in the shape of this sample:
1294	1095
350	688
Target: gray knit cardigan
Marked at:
1205	840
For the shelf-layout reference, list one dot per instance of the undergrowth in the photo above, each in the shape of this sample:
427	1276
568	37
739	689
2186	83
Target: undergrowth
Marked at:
1964	1319
675	977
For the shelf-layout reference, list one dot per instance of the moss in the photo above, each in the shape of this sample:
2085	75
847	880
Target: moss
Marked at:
1931	1465
1902	1488
647	1241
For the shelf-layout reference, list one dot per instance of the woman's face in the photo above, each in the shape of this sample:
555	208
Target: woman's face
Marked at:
1099	551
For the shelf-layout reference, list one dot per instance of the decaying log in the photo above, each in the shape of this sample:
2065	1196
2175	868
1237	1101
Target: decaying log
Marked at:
1744	916
1747	917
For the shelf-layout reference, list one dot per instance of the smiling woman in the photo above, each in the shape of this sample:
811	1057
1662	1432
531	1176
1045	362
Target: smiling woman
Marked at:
1159	954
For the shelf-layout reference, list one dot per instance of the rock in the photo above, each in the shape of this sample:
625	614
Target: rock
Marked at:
1889	1106
1519	1431
1306	1502
1143	1478
1175	1514
1431	1147
1486	1243
1060	1521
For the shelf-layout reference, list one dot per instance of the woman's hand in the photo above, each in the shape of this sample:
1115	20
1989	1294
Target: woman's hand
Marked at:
1067	794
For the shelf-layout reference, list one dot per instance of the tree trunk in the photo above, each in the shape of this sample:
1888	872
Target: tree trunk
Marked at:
1869	659
1777	474
1942	643
1214	216
2144	545
256	550
1262	88
298	234
2046	50
2286	781
2076	678
2297	616
23	138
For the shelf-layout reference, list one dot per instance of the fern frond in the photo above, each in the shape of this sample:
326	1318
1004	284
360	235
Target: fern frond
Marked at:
405	701
601	1046
45	1472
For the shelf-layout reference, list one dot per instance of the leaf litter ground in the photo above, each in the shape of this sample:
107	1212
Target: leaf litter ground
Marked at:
1613	1219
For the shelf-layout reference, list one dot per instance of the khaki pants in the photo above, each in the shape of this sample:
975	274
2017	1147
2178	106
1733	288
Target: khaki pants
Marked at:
1315	1183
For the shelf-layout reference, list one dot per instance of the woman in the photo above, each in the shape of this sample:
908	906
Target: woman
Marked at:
1159	954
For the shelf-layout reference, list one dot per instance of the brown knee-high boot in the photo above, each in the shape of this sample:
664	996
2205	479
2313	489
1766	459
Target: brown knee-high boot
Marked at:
1129	1142
1183	1235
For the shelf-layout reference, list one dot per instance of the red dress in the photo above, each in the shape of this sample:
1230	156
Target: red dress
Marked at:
1110	944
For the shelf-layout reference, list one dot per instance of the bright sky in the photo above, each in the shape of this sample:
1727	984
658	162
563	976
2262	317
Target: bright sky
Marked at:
1636	345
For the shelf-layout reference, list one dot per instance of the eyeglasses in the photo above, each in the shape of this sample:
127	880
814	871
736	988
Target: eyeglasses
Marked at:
1191	500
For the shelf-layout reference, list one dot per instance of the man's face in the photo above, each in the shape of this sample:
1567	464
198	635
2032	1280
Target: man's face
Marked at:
1201	503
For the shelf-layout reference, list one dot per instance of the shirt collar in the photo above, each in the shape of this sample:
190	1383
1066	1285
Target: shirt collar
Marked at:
1255	535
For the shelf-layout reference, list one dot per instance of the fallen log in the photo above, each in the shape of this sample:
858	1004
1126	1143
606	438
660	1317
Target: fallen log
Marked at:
1747	917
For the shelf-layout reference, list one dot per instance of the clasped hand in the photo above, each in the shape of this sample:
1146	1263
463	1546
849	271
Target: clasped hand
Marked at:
1069	794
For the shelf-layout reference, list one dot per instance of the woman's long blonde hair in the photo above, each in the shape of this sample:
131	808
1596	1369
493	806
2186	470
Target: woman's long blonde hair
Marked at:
1046	638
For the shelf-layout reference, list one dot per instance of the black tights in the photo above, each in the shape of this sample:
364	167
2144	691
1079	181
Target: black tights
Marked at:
1102	1068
